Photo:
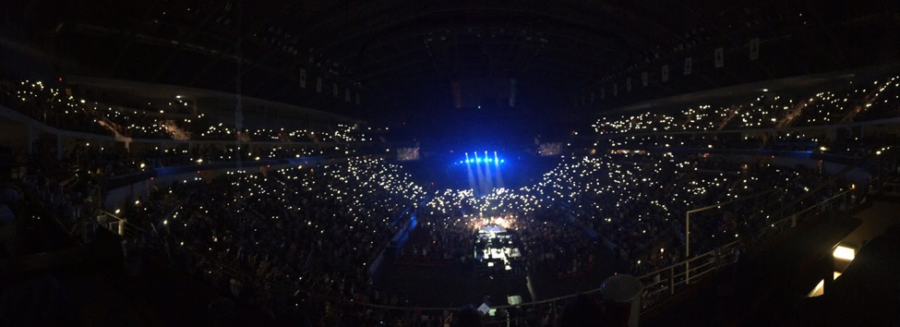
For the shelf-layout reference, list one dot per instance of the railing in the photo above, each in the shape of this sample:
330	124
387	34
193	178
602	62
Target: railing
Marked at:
839	200
665	282
119	226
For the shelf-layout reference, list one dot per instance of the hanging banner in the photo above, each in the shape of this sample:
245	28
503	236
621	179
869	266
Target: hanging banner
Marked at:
318	85
644	79
407	154
512	92
665	73
551	149
720	57
302	78
347	95
688	62
754	48
456	89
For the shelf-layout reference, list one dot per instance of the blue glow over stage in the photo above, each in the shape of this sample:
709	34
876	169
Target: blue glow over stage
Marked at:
483	159
480	161
481	171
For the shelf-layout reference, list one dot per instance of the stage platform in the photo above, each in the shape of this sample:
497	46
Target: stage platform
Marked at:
457	285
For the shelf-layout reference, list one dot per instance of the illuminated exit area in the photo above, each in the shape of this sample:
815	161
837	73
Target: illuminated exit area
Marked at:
843	255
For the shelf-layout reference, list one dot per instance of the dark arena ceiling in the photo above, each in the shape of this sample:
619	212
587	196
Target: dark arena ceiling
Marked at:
402	57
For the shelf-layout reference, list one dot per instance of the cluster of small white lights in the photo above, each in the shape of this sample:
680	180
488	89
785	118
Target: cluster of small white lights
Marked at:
766	110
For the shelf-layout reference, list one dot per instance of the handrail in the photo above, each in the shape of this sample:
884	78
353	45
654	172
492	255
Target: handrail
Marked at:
119	226
697	272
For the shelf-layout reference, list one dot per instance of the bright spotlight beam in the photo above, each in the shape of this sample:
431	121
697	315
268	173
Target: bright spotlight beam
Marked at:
497	168
479	174
470	174
488	179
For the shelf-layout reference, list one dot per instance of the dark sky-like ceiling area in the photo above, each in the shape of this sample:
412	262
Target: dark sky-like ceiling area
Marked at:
402	57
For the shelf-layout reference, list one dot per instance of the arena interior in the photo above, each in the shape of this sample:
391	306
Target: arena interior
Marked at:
449	163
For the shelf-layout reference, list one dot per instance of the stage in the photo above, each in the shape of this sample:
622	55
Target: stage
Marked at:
497	267
445	172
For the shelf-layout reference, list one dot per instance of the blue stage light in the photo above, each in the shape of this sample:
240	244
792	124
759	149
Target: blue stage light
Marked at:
485	159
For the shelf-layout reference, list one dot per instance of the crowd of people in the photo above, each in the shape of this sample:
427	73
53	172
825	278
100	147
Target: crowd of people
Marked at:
559	248
852	102
117	161
300	240
633	203
59	108
310	231
314	230
808	142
